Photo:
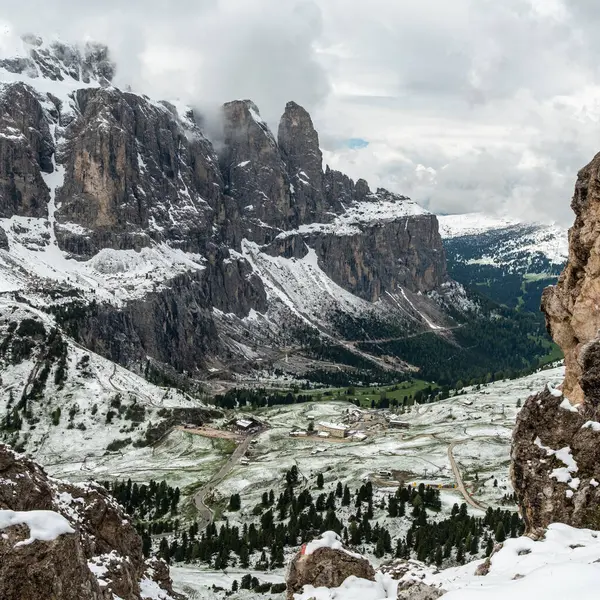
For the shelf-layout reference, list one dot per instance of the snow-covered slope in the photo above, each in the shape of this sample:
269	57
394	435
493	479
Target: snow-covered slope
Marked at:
503	242
62	403
564	564
384	209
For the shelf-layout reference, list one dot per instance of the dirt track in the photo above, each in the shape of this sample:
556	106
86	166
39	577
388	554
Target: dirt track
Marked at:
205	514
209	432
459	482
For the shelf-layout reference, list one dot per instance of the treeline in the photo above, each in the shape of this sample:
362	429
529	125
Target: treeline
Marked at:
258	398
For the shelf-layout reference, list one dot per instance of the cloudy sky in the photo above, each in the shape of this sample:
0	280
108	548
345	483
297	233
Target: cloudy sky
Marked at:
465	105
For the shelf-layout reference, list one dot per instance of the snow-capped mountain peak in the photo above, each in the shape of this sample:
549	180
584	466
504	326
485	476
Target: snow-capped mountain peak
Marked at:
32	57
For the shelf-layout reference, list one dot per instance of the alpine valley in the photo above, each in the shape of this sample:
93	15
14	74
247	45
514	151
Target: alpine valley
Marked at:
214	350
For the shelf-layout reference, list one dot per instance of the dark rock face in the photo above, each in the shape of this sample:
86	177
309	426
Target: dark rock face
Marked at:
325	567
407	253
134	175
3	240
299	147
175	326
59	568
254	172
26	150
547	490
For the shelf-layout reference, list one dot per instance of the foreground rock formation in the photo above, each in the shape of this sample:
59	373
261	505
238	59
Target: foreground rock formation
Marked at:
556	463
556	442
99	557
326	565
571	307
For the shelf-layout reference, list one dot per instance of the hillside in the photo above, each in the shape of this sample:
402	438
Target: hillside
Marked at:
506	260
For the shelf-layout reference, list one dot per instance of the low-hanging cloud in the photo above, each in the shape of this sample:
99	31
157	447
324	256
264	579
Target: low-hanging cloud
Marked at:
464	105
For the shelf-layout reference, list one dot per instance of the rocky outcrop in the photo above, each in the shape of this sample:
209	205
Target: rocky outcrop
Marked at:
410	574
254	171
102	557
174	325
556	463
380	257
570	307
299	146
326	567
556	442
417	590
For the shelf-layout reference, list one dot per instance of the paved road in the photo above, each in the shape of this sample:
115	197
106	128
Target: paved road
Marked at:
205	514
459	481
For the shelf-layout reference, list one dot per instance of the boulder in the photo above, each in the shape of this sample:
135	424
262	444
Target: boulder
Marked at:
326	565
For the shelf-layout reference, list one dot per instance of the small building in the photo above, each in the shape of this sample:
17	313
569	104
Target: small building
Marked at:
397	424
333	429
323	434
360	437
244	424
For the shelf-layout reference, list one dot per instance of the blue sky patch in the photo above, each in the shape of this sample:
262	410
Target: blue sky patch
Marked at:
356	143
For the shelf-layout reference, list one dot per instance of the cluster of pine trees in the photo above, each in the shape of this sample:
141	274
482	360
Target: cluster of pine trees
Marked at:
145	502
434	542
296	516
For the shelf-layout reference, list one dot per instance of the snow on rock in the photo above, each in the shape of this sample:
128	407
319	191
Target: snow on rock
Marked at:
329	539
566	405
562	474
150	590
44	525
362	213
353	588
554	391
593	425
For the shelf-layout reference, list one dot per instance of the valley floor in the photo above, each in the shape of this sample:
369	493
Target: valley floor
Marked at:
461	445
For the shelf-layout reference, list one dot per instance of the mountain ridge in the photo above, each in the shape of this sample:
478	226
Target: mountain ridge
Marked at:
131	202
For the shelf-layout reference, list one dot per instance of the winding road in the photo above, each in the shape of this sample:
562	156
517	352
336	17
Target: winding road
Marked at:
205	514
459	481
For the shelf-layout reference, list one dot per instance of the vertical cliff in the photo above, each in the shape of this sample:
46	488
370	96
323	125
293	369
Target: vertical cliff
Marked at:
556	442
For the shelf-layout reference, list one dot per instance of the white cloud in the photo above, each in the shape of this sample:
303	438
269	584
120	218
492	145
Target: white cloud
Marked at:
465	104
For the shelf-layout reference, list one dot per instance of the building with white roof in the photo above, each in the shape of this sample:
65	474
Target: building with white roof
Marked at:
333	429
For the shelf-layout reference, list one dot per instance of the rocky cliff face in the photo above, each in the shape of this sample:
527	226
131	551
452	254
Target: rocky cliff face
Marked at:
571	311
556	456
26	150
129	203
97	557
